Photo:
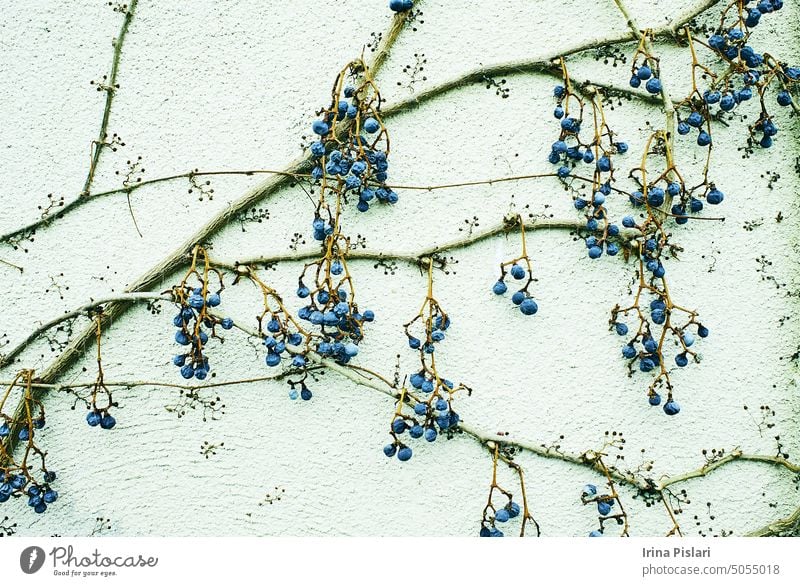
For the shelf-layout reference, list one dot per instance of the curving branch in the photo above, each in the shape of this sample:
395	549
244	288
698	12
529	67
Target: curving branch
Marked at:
421	258
543	64
5	359
110	87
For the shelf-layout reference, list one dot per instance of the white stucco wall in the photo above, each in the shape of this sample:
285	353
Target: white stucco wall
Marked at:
234	85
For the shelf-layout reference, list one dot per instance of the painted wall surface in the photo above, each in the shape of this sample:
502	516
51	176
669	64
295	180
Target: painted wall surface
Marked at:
235	85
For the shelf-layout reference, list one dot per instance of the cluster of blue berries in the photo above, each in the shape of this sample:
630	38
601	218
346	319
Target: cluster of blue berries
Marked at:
355	164
18	478
605	507
331	307
521	298
194	305
502	515
645	73
278	337
26	432
432	410
646	350
695	120
569	150
101	418
39	495
430	414
749	74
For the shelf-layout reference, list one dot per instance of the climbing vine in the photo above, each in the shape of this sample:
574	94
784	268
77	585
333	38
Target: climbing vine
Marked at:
346	166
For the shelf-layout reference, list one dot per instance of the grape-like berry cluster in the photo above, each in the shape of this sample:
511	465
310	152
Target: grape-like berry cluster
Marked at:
23	478
195	322
748	74
520	269
599	152
431	396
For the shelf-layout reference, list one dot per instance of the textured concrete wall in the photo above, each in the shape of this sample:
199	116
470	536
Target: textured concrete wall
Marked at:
235	85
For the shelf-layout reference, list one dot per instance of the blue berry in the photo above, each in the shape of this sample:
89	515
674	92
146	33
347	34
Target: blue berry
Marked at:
226	323
654	399
655	196
595	533
671	407
595	252
430	434
646	364
688	339
517	298
604	507
399	425
703	139
390	450
187	371
558	112
108	421
635	81
517	272
681	359
621	329
604	164
784	98
727	103
702	331
683	128
653	85
499	288
320	127
420	409
416	431
93	418
644	73
629	351
404	454
629	221
715	196
371	125
501	516
528	307
695	119
305	394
